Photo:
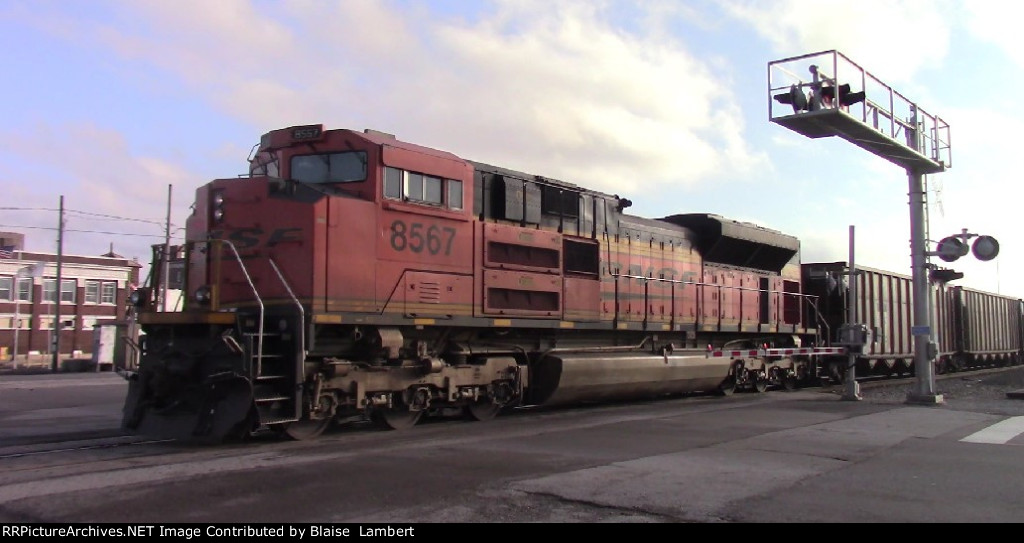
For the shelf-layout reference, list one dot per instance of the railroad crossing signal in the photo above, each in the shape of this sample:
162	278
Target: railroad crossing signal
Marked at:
951	248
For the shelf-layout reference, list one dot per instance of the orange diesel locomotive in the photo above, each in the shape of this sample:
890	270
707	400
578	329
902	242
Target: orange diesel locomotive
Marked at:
354	276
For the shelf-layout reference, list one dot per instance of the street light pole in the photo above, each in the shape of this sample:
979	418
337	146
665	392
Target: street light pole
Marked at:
17	318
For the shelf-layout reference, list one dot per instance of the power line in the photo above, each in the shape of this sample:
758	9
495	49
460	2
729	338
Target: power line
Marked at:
114	217
88	231
87	213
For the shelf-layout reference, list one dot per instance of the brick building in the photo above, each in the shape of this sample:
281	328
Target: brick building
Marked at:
93	291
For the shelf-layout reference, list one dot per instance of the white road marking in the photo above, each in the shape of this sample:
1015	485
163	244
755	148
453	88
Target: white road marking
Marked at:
999	433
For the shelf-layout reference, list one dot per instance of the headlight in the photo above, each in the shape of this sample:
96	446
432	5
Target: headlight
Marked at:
218	206
203	294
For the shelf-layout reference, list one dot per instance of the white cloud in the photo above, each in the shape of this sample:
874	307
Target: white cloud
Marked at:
552	88
999	24
101	180
565	89
894	39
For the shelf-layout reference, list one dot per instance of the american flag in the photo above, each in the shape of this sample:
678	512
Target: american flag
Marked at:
6	251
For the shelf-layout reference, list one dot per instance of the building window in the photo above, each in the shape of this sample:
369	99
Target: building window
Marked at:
67	290
12	323
17	289
24	293
92	292
109	293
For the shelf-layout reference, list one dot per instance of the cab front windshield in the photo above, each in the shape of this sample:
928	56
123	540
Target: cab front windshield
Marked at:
346	167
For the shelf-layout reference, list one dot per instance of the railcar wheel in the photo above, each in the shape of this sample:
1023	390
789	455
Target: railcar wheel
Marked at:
482	410
789	382
760	382
302	430
395	419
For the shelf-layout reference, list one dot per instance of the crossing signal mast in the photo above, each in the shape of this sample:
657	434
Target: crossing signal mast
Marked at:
826	94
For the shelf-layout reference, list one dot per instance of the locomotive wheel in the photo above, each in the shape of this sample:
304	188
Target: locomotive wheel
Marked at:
483	410
760	383
727	387
302	430
395	419
837	374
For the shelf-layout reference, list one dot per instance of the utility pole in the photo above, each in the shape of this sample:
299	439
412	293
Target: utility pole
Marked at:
166	267
55	364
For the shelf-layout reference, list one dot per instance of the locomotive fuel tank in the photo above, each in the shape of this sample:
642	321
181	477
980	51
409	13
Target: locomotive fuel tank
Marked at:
574	378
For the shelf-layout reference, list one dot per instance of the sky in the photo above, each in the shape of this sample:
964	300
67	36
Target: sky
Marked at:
123	108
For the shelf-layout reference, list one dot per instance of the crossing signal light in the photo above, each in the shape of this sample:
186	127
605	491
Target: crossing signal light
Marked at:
951	248
846	98
943	275
795	97
985	248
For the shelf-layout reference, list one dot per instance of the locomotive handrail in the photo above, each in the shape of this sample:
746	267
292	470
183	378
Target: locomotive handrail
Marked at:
812	301
604	349
302	312
299	368
134	359
259	300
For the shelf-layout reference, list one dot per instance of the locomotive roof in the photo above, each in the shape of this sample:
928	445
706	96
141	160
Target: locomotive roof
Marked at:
383	138
737	243
506	172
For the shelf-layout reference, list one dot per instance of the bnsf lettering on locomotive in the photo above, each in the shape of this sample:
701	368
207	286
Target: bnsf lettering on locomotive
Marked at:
248	238
417	237
282	235
245	238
